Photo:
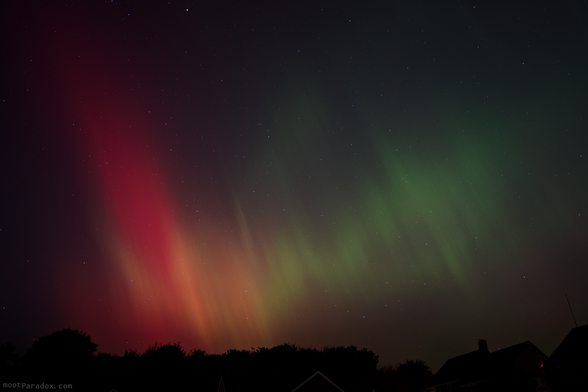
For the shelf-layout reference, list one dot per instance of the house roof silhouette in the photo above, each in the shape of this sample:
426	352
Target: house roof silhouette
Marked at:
567	367
522	360
572	349
317	382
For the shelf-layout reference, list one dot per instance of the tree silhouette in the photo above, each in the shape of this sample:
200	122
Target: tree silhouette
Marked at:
164	366
164	354
409	376
63	356
68	345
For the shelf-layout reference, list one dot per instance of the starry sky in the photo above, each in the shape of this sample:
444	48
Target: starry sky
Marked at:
406	177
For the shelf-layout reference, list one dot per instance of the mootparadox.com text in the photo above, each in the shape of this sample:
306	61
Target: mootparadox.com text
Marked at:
24	385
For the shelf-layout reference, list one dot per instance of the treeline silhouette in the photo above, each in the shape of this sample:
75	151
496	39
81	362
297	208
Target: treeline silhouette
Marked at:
70	357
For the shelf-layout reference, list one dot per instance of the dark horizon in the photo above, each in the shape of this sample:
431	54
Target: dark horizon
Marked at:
408	178
21	351
69	358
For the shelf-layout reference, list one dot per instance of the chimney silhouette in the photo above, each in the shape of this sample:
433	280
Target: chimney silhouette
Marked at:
483	345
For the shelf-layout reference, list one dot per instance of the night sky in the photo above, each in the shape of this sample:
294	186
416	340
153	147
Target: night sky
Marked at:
404	176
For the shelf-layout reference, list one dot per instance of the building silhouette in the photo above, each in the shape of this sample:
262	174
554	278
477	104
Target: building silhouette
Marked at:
515	368
318	382
567	367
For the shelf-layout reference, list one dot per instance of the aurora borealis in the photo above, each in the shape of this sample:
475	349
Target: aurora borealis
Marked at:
405	178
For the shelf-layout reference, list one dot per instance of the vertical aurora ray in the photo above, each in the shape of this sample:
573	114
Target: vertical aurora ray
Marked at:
395	213
167	279
151	279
